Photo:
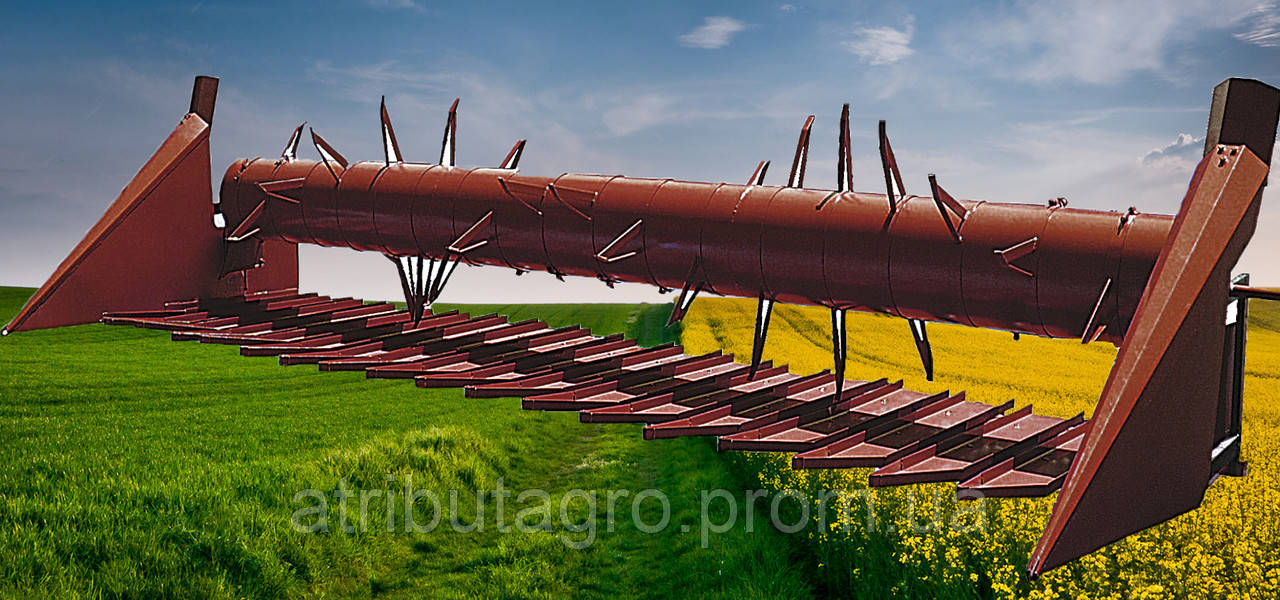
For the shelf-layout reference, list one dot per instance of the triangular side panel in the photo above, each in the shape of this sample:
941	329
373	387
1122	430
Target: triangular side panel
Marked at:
1147	455
155	243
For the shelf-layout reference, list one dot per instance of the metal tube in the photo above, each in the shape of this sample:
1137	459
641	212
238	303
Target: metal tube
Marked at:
1026	268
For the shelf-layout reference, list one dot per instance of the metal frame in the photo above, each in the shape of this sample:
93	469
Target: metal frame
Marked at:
1167	423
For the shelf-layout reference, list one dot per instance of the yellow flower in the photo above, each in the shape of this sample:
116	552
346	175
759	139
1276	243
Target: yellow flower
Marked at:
1229	547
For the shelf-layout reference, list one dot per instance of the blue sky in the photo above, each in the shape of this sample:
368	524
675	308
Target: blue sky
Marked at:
1104	103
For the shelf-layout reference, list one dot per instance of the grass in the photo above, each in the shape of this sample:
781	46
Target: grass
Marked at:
134	466
1229	547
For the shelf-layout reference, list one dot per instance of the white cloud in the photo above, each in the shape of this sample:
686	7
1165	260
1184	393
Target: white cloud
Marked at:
1096	42
882	45
787	8
1263	25
1092	165
715	32
1182	153
639	113
626	110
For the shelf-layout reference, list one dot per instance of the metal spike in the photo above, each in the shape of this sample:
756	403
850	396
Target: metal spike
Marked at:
945	203
412	286
890	166
839	347
921	337
328	154
415	282
291	148
513	157
757	178
844	160
410	299
764	309
682	304
390	148
690	291
802	156
449	146
423	299
443	274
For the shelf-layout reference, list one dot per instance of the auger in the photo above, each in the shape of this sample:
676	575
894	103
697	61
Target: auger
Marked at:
1158	286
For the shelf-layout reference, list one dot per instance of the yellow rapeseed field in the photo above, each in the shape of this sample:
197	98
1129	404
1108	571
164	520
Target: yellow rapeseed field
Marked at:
1229	547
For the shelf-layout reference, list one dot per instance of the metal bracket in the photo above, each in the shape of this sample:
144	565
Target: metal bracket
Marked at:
555	193
1093	328
623	238
247	228
467	241
945	202
891	173
1017	251
533	189
273	188
1225	459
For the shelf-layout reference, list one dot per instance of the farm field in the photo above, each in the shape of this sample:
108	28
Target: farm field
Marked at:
1230	547
135	466
131	465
